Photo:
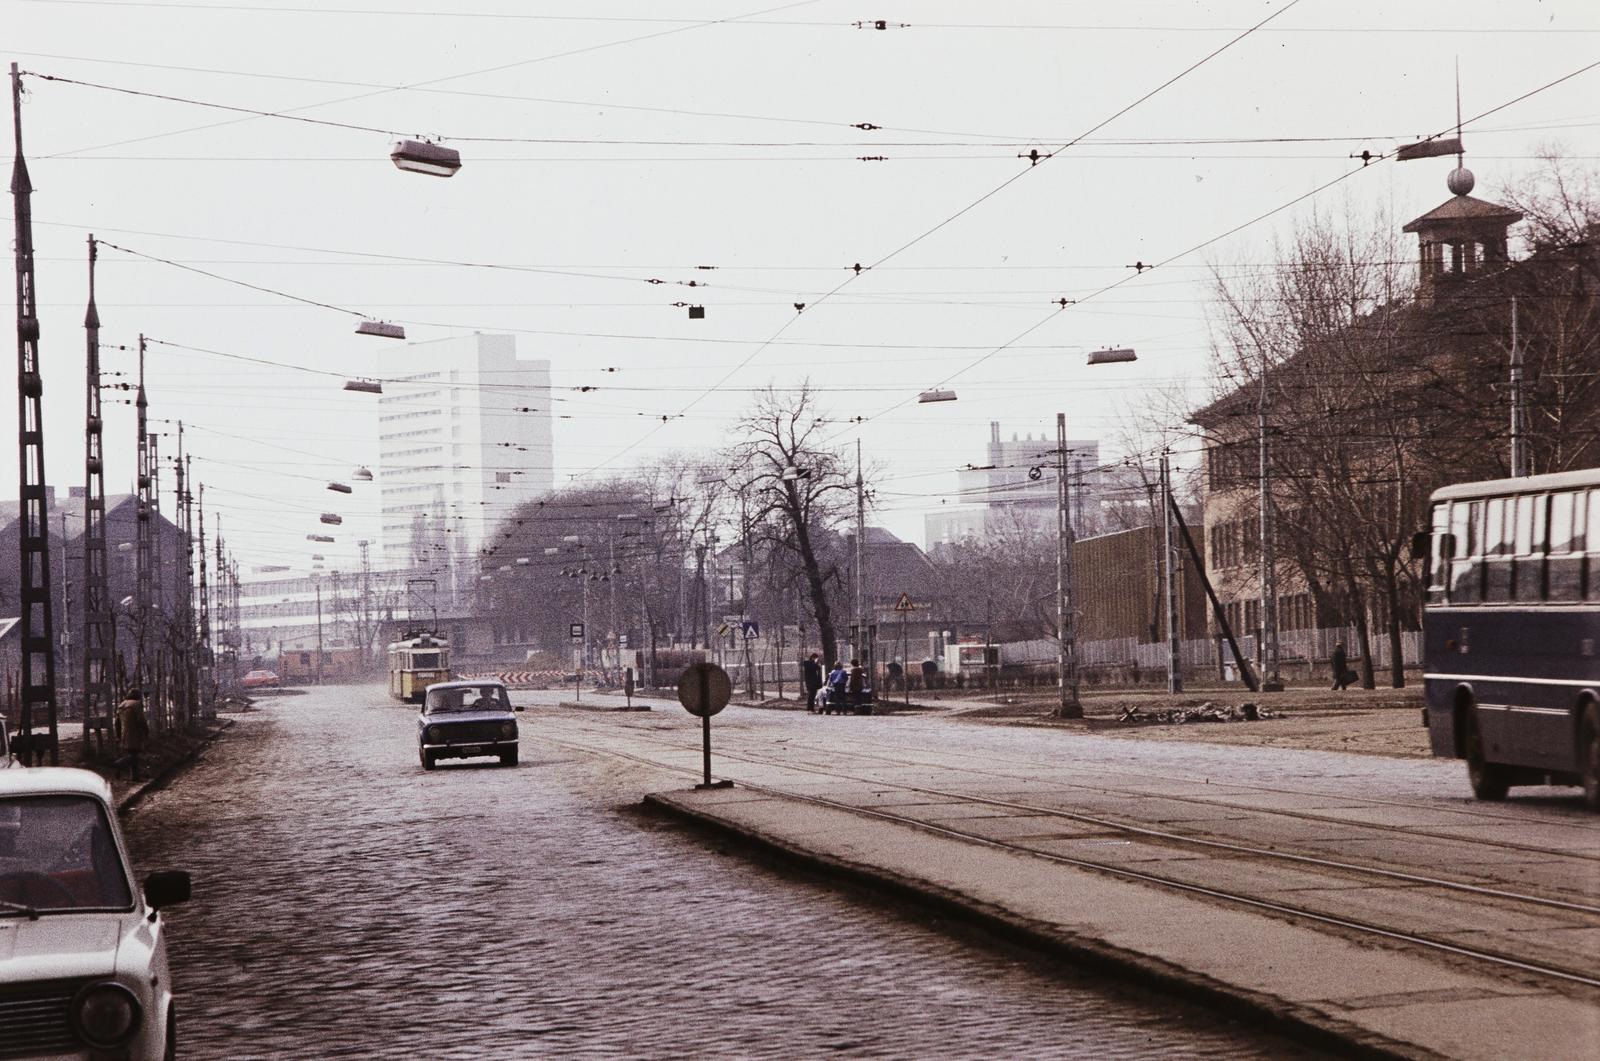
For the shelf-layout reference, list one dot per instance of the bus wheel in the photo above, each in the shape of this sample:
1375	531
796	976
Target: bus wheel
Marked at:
1489	780
1589	755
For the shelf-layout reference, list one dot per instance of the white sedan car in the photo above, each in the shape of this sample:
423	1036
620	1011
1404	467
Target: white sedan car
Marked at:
83	956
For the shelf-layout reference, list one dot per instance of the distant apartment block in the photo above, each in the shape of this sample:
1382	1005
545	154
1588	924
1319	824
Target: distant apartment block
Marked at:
464	429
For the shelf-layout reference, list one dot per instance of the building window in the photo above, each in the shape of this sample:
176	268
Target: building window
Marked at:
502	477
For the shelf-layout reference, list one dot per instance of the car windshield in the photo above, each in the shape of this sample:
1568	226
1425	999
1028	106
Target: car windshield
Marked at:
57	853
468	698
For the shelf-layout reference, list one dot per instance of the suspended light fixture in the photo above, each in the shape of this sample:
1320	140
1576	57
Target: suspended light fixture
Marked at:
382	329
332	518
365	386
936	395
362	474
339	488
791	473
327	538
419	156
318	556
1109	357
522	561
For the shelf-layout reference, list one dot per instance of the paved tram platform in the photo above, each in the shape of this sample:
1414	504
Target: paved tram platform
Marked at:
1387	1000
1320	870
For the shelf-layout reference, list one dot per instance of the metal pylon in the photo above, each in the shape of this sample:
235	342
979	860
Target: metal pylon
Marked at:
142	557
99	650
38	686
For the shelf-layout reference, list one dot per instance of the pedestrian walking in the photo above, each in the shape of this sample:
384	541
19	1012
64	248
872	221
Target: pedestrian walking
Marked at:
811	678
133	730
1342	674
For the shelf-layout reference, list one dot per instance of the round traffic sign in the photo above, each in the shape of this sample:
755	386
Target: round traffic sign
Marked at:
704	689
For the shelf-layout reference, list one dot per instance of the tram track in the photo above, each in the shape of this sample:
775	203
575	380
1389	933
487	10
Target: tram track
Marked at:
1331	866
1222	804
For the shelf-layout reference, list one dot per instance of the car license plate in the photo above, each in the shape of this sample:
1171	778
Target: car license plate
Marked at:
474	749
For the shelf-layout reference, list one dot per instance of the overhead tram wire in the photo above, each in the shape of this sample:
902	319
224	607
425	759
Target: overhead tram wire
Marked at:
1026	140
1077	27
453	77
849	278
1221	236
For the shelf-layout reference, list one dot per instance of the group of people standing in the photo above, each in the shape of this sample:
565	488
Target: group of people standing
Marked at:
846	685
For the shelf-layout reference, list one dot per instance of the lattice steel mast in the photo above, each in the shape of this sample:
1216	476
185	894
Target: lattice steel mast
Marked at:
33	581
207	659
141	598
99	650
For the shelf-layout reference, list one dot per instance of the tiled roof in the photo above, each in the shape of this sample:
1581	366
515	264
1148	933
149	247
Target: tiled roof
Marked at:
1464	208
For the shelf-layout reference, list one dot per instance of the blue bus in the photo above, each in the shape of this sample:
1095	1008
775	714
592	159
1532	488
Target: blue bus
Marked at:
1511	657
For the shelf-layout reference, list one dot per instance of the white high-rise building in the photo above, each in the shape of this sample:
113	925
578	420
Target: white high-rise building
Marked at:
464	430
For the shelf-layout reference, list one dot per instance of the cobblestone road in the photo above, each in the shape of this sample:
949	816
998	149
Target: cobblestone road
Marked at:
349	905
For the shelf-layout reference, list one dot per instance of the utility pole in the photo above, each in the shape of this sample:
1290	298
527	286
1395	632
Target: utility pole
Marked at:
863	636
66	603
208	661
38	684
700	586
99	643
1069	706
142	558
611	586
1174	658
367	617
183	554
319	631
1519	411
1271	682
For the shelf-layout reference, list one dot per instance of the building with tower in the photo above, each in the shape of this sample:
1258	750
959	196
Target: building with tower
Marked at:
1341	437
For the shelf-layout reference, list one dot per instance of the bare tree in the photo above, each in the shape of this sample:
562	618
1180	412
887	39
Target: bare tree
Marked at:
797	491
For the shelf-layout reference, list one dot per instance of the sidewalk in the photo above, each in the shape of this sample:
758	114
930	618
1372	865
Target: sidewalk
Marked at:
166	754
1339	990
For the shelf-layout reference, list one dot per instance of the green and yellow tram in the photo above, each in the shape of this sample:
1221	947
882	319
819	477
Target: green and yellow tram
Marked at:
415	664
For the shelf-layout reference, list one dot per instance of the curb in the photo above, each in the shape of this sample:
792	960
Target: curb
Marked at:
576	706
1268	1012
155	784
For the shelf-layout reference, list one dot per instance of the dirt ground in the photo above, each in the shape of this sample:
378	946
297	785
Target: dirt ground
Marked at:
1370	721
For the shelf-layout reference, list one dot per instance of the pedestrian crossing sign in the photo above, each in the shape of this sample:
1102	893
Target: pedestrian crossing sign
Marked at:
904	603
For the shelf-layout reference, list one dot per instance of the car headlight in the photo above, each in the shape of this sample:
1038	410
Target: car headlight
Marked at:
105	1015
431	734
508	729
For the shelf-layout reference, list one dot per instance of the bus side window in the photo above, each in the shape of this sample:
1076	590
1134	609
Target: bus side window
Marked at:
1566	547
1588	531
1466	519
1499	515
1529	547
1438	558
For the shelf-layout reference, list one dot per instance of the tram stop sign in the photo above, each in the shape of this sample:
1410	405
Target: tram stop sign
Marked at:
704	689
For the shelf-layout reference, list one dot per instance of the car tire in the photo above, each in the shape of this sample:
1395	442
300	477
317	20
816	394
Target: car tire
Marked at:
508	758
1490	781
427	760
1589	755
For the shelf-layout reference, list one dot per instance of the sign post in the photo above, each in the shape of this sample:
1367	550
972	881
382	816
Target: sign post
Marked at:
904	607
575	630
703	690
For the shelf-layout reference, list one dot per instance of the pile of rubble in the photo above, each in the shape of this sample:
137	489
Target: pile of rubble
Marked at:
1206	712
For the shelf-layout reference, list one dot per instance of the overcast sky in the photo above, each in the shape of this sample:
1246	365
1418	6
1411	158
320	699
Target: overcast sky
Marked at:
619	143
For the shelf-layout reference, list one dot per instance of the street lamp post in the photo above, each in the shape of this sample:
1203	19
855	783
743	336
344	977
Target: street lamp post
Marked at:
1069	705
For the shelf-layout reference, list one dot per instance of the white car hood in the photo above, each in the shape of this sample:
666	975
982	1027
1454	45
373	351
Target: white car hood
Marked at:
58	946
